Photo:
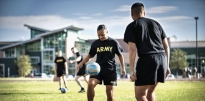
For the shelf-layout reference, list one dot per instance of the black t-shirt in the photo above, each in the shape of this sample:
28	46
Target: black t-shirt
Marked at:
77	55
106	51
147	34
60	61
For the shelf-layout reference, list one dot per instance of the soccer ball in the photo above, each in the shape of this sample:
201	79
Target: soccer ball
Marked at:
93	68
63	90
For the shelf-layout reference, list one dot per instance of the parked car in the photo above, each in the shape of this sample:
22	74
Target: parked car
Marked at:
41	75
170	76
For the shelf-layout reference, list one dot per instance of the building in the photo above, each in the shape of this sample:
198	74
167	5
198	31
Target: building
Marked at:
42	49
44	45
189	47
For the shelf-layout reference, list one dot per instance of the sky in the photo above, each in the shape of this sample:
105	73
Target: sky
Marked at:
175	16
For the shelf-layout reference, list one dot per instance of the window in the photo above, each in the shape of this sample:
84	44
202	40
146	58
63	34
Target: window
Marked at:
10	52
56	41
34	60
34	46
19	50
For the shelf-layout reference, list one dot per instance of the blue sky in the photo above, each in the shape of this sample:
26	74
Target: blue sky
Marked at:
175	16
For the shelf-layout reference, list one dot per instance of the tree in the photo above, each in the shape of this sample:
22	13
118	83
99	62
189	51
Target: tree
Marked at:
178	60
24	65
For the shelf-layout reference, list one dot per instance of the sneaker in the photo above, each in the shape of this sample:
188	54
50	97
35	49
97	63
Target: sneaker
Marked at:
81	91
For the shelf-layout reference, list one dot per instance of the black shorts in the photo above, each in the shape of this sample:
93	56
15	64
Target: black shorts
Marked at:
151	69
60	73
82	71
108	79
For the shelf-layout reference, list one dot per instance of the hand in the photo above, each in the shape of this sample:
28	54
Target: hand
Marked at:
79	66
71	61
66	72
168	72
133	76
123	72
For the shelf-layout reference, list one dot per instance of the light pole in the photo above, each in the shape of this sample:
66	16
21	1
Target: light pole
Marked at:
196	18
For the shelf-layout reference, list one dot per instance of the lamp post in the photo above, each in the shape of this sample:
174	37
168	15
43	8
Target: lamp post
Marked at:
196	18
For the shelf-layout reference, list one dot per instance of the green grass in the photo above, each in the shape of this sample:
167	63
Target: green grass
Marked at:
48	91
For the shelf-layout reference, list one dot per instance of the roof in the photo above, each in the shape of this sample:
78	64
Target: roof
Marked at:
19	43
36	28
62	29
38	37
186	44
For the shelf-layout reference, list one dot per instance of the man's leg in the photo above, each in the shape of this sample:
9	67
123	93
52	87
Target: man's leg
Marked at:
60	82
77	79
65	81
150	92
91	85
145	93
109	92
86	79
141	93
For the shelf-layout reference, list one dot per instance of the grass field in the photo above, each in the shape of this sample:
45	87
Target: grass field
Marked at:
48	91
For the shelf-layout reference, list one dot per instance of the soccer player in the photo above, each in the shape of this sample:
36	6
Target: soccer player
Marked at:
81	72
105	47
61	69
147	39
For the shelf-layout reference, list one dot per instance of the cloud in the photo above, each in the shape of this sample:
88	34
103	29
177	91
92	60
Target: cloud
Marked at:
97	14
124	8
152	10
160	9
79	14
52	22
47	21
115	24
85	17
175	18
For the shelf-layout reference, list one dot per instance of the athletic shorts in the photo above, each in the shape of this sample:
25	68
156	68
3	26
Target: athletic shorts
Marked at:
107	79
151	69
60	73
81	71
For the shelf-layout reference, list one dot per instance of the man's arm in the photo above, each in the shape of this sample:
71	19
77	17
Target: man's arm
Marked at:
132	56
66	68
121	58
76	60
55	68
85	60
167	51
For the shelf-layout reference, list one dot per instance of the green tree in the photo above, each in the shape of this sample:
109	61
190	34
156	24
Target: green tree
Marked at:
178	60
24	65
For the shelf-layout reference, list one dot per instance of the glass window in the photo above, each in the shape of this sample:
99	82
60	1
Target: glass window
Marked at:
48	56
56	41
34	60
10	52
34	46
19	50
48	69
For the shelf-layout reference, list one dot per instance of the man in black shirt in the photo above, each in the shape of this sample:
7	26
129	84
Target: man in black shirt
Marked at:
81	72
61	69
105	48
146	38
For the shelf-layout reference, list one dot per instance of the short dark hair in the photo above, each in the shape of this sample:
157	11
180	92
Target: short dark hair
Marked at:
102	26
72	48
137	8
